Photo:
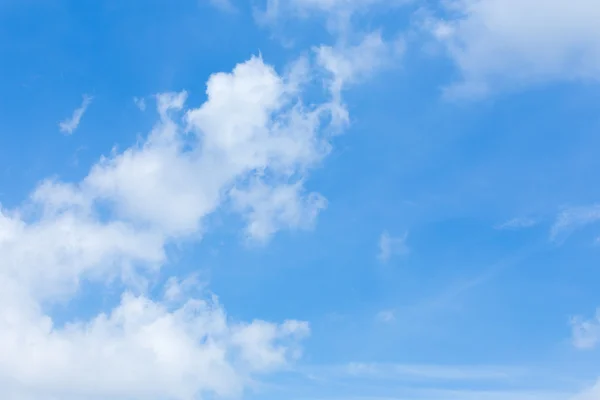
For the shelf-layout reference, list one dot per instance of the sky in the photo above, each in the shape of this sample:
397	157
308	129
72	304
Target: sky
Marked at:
300	200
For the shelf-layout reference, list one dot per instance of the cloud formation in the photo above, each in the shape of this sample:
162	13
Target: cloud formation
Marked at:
140	103
69	125
571	219
505	44
517	223
390	245
586	332
337	13
248	149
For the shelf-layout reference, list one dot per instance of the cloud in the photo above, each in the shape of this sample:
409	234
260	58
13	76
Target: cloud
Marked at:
505	44
572	219
424	372
592	393
586	333
386	316
141	349
69	125
338	13
272	140
349	64
267	209
247	149
356	54
224	5
140	103
517	223
442	381
389	246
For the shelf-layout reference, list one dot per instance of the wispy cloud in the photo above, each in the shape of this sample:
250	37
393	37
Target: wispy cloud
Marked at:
517	223
490	394
386	316
418	372
572	219
223	5
586	332
140	102
69	125
357	380
392	245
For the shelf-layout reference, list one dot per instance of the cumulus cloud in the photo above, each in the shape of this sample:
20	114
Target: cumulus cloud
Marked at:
504	44
248	149
69	125
141	349
390	245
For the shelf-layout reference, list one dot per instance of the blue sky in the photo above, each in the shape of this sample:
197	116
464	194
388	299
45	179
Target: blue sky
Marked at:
301	199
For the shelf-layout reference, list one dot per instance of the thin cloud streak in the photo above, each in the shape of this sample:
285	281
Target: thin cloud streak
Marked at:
69	125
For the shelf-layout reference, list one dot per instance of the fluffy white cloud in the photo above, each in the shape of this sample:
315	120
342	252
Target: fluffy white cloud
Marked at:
252	125
247	148
141	349
499	44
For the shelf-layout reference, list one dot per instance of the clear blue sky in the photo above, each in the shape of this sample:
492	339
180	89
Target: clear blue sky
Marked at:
300	199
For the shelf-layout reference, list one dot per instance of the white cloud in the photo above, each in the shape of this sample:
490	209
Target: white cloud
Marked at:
140	103
426	372
267	208
586	333
349	64
386	316
517	223
251	126
140	350
500	44
69	125
248	148
572	219
447	382
356	54
389	246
